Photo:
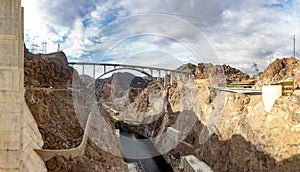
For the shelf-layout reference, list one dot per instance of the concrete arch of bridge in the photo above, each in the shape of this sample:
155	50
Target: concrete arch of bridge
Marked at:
133	69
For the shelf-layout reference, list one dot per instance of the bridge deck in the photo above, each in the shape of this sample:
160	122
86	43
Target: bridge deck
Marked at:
239	90
128	66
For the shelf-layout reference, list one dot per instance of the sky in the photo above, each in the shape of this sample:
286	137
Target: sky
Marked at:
166	33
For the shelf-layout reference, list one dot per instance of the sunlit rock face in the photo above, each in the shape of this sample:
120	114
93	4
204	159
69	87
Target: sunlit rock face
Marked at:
225	130
279	70
230	131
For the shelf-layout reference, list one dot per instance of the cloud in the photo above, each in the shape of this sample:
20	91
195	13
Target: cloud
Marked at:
74	24
233	32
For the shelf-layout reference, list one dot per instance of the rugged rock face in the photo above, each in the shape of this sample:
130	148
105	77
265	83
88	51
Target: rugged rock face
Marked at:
233	74
266	141
207	70
232	132
280	69
242	136
48	71
119	85
248	138
47	79
142	100
94	159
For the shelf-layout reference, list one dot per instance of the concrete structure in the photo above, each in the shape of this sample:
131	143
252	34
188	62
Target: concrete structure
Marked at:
32	140
269	94
166	76
287	87
242	84
47	154
117	132
18	130
176	135
134	167
239	90
192	164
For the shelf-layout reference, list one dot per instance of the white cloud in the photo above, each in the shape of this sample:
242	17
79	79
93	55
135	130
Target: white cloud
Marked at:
238	31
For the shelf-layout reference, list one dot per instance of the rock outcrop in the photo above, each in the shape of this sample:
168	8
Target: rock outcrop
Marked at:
48	79
207	70
228	131
246	138
279	70
238	134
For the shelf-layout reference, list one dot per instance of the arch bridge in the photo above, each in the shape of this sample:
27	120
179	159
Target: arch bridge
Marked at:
97	70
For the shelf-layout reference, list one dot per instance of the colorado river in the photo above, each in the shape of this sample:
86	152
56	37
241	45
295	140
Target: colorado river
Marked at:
144	152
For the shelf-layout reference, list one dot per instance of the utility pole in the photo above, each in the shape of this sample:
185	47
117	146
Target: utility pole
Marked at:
270	55
58	47
294	39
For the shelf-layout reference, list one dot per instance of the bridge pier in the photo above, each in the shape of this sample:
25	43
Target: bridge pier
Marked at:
166	79
159	75
94	72
104	69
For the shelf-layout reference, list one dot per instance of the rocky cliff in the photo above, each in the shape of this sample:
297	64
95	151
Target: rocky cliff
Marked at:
279	70
206	70
228	131
48	80
233	132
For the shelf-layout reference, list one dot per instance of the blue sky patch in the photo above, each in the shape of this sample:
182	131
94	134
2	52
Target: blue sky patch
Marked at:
277	5
107	59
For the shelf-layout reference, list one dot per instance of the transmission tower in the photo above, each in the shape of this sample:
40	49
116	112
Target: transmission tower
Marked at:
35	48
44	47
255	68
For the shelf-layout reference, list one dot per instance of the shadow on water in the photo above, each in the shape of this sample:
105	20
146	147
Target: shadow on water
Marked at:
141	150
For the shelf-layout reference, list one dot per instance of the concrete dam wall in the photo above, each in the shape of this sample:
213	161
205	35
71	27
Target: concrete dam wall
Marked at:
19	134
